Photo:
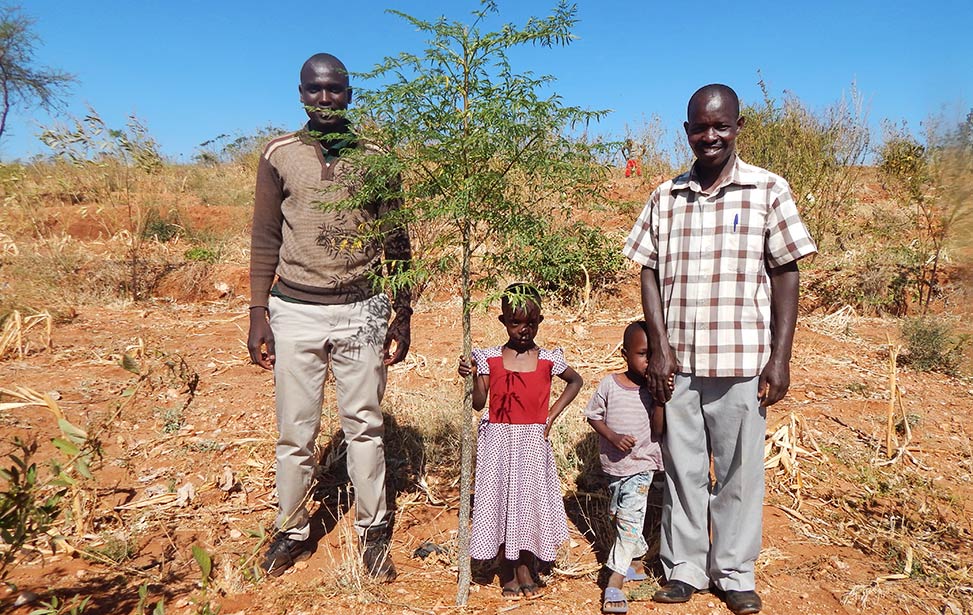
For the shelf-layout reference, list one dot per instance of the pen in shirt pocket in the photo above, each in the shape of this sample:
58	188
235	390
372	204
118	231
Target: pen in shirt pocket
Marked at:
736	218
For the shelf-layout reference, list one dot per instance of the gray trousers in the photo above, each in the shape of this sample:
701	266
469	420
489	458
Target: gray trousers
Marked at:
348	337
711	533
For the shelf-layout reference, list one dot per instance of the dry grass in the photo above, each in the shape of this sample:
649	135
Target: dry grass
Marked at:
827	473
14	335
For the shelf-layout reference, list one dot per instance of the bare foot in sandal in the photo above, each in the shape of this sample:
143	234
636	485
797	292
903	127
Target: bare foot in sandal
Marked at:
525	576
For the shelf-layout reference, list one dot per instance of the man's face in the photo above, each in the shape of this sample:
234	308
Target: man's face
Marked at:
712	131
324	89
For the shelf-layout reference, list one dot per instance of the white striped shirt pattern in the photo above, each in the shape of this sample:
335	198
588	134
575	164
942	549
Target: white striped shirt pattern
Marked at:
711	252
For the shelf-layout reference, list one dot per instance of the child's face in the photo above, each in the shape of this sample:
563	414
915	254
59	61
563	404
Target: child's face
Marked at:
521	324
636	354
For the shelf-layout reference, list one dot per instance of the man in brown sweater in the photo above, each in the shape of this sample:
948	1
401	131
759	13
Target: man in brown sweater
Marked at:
314	305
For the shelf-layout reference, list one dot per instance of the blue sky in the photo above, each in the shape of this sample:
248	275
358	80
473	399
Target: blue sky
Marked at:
192	70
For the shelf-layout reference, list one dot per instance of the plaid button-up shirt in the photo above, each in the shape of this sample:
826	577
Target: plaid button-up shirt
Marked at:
711	252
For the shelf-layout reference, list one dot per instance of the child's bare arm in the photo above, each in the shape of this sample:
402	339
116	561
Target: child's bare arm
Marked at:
574	383
657	419
481	384
623	442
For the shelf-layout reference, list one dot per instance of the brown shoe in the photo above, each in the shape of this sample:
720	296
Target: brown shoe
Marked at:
674	592
743	602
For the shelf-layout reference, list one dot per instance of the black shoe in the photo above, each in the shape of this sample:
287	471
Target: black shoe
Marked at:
283	553
673	592
743	602
376	558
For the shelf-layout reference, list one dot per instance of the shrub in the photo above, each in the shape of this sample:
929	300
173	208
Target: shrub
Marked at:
932	345
932	181
27	509
201	254
815	152
564	261
163	227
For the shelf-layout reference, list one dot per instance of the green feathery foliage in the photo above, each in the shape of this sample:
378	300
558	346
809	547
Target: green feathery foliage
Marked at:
477	153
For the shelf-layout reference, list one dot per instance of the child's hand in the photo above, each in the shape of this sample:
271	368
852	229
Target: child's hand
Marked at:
466	367
623	442
548	426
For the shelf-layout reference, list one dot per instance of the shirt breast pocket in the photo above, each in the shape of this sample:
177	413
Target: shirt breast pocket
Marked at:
742	249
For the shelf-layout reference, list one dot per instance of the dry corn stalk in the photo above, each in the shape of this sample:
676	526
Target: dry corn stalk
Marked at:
30	397
785	440
891	442
15	329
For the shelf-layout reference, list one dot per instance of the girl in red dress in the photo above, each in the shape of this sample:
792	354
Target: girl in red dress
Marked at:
518	511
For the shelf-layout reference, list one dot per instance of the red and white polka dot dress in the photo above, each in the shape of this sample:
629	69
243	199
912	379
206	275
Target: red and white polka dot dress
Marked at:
518	500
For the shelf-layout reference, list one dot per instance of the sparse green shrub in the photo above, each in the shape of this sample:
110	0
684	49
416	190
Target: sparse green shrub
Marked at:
873	280
56	607
933	181
815	152
113	549
660	152
114	166
564	261
161	226
201	254
933	345
27	509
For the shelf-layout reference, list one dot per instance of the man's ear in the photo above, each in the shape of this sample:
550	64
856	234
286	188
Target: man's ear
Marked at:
685	127
540	318
300	92
501	319
350	92
740	122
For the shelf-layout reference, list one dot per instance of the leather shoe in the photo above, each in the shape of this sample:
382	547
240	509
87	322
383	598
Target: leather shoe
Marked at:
743	602
673	592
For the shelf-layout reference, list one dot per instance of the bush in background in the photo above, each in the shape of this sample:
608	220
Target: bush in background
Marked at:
817	153
933	182
933	345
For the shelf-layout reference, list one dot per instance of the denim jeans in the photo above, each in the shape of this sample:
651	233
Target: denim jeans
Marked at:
627	506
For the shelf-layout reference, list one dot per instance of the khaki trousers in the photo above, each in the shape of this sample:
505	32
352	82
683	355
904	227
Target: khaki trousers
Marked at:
349	339
711	532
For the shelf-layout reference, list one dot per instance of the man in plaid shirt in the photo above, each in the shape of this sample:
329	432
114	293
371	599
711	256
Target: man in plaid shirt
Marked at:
719	247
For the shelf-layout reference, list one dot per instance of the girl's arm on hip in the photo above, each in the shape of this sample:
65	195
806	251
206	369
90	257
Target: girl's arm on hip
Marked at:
574	383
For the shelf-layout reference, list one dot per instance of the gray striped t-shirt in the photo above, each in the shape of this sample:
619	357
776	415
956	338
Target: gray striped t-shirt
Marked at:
625	410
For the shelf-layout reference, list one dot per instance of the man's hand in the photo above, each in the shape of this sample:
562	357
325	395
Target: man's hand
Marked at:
774	381
260	339
623	442
400	332
659	374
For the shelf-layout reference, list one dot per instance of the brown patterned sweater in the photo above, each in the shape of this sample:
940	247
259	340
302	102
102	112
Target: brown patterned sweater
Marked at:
317	255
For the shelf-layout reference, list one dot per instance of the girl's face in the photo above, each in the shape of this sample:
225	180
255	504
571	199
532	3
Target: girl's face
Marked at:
521	324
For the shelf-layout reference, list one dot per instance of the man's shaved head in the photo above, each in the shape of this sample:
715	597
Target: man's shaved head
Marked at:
714	90
325	93
322	59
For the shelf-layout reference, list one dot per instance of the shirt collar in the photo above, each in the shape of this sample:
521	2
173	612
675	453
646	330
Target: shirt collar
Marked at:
331	150
740	175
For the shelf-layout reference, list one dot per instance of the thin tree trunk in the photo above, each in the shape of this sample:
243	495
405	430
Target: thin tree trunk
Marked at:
6	98
932	280
466	441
